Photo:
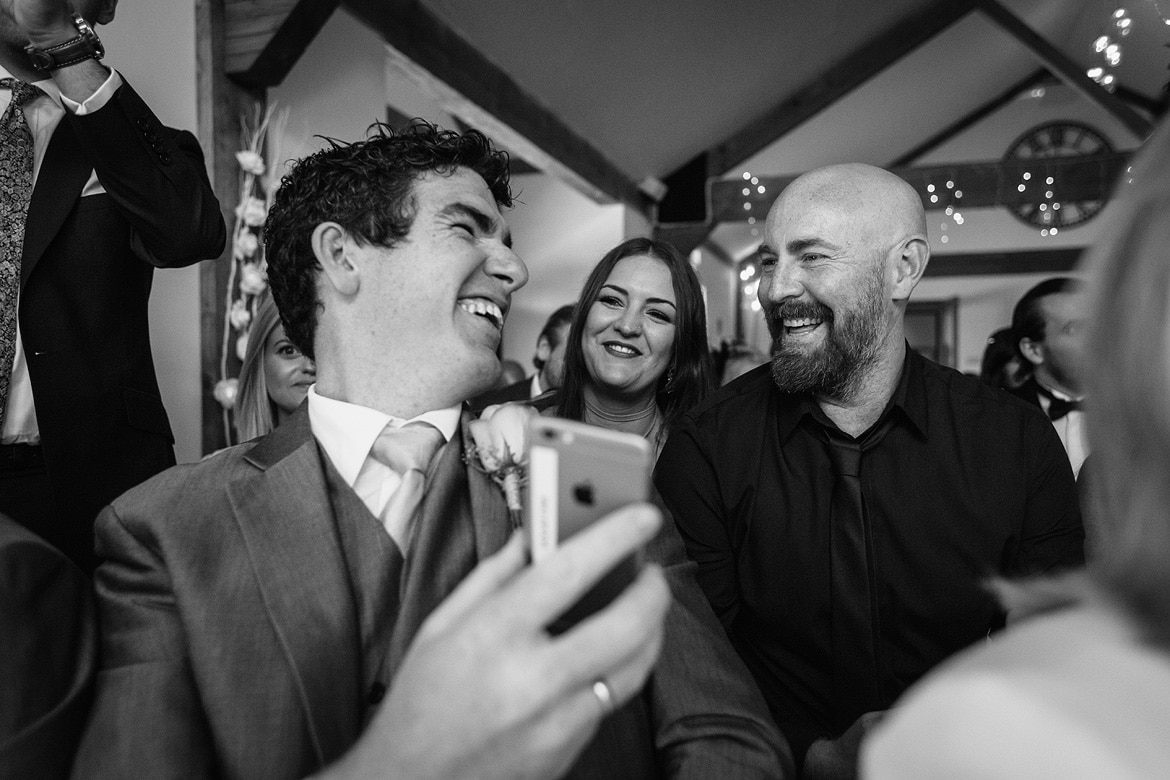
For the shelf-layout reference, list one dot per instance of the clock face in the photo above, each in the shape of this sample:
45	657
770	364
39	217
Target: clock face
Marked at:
1058	139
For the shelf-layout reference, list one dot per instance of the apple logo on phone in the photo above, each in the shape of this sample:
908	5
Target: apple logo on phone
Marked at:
583	493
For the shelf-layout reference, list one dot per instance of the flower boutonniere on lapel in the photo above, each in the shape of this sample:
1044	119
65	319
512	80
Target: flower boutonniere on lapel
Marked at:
498	449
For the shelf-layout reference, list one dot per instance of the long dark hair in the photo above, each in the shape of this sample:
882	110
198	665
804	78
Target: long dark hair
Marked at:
689	372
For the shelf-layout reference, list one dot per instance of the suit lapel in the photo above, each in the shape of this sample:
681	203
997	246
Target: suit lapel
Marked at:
285	517
60	181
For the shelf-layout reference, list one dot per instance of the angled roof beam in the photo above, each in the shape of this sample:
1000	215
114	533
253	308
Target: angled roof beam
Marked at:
1065	68
483	95
978	115
835	83
287	44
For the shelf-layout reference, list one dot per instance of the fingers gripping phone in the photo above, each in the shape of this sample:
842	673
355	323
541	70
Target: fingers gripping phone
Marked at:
577	474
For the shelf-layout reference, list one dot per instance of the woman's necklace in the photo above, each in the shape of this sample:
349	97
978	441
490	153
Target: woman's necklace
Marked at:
644	422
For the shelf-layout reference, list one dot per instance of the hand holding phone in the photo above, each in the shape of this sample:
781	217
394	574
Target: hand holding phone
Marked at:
578	473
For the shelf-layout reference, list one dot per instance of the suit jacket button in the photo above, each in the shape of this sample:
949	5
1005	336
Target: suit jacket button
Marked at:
377	692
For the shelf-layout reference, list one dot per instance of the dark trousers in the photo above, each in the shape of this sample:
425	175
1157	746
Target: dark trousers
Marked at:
27	497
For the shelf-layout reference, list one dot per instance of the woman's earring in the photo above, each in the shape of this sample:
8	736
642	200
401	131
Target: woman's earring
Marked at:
669	379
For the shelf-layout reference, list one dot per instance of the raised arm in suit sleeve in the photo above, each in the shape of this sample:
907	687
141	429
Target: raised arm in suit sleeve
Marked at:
147	720
711	719
157	177
690	492
1053	536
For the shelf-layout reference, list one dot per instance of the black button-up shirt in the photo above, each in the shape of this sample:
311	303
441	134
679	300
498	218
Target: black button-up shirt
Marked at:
969	483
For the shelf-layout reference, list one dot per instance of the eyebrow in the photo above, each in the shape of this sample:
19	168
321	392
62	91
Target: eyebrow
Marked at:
626	293
798	245
485	223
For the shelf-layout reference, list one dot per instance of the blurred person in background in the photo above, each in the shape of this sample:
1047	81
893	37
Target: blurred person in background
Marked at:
1002	365
274	377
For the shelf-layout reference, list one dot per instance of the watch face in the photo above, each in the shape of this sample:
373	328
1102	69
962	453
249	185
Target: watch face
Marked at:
1058	139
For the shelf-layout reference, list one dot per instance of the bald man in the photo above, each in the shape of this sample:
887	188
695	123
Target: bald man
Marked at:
846	503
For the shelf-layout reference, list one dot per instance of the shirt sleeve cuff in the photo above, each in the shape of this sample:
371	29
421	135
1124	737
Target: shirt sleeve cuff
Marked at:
98	99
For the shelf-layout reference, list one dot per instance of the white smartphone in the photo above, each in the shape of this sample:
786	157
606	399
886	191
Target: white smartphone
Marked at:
577	474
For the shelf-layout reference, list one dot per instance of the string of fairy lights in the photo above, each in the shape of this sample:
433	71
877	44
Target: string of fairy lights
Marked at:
1108	47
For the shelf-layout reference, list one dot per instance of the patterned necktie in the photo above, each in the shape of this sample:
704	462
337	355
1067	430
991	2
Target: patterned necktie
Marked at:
408	451
16	169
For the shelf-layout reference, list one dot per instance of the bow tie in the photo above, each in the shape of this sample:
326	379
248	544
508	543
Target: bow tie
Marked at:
1057	407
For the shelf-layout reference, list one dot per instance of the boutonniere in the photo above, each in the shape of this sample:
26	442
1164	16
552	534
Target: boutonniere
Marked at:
498	450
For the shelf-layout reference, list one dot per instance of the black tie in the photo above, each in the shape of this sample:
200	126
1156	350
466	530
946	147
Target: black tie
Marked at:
857	684
16	169
1057	407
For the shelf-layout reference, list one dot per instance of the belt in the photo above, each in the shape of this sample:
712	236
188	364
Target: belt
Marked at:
20	456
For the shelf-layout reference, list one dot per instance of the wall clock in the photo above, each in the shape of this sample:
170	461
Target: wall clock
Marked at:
1058	139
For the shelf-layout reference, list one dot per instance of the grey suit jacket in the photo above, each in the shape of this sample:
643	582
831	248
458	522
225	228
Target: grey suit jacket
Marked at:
230	641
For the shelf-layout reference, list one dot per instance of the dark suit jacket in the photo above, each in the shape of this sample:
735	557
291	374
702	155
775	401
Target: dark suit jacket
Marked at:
85	280
48	653
517	391
230	639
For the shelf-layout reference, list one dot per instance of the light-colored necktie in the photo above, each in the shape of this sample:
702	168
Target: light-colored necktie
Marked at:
408	451
16	169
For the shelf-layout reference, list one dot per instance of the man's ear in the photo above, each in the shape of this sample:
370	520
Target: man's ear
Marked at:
1033	351
332	249
105	12
911	257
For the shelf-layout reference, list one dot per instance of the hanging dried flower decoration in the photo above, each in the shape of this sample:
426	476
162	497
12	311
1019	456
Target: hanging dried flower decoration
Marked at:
260	137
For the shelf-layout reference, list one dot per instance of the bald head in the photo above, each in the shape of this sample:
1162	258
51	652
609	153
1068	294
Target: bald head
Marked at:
877	201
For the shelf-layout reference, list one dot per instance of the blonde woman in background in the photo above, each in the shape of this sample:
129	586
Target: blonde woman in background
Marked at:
1081	687
274	377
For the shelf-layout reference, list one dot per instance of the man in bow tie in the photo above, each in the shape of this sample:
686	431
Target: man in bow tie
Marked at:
1048	325
95	193
259	608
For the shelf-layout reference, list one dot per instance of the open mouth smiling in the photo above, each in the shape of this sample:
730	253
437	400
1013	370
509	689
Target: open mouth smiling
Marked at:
618	349
482	307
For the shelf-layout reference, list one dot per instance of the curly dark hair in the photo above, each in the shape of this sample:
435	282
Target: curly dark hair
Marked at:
690	366
367	187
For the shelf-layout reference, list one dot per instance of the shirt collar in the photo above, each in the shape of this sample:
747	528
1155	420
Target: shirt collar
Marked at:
347	431
48	86
909	399
535	388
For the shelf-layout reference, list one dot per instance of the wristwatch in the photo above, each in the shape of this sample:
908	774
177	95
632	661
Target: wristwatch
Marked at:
85	46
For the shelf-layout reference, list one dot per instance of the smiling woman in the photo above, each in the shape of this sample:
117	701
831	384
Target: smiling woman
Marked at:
636	355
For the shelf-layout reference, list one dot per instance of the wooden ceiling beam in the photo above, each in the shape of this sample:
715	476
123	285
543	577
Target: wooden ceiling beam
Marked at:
977	184
285	46
481	94
842	78
1065	68
971	118
1041	261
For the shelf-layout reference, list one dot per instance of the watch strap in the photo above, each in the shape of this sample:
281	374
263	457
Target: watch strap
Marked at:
85	46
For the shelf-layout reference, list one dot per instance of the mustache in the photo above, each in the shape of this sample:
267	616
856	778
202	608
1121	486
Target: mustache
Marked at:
776	313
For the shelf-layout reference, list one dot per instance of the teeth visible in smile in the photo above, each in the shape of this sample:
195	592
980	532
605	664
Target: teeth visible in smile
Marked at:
483	308
800	323
624	349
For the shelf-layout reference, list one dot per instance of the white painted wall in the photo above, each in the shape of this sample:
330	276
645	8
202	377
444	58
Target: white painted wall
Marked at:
161	66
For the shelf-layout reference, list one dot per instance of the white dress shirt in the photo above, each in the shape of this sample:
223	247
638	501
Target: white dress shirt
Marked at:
43	113
1070	429
347	432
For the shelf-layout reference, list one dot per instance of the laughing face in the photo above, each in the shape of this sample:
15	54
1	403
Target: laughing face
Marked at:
825	292
628	339
435	302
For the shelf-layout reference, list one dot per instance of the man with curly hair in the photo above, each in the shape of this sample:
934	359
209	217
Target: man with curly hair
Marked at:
269	612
